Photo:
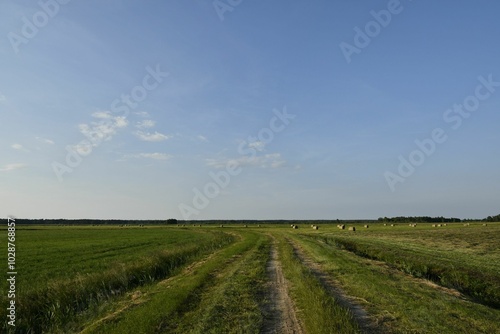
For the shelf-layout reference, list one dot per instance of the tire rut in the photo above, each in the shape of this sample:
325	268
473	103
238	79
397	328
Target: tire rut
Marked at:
363	319
282	315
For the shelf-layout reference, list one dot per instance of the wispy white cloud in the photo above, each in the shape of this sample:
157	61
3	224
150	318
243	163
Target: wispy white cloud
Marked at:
202	138
103	129
45	140
156	136
11	167
273	160
258	145
101	114
121	121
83	148
154	156
145	124
142	114
19	147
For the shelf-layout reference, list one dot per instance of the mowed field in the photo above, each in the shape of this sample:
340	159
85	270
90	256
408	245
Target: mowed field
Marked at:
256	279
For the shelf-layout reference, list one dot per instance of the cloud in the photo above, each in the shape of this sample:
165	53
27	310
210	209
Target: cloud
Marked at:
273	160
258	145
145	124
19	147
102	114
202	138
121	121
142	114
9	167
103	129
154	156
2	98
146	136
83	148
45	140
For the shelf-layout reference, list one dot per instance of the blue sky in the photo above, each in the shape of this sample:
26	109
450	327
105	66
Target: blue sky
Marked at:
224	71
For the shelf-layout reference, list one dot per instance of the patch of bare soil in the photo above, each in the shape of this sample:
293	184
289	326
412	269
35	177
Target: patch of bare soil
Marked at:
366	324
282	316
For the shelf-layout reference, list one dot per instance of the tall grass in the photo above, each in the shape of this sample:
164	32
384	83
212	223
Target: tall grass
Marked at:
56	304
178	306
318	309
231	303
481	285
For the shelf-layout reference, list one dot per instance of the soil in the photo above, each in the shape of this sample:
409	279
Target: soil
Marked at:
281	312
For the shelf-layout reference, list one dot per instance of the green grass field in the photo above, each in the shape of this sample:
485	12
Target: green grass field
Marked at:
237	279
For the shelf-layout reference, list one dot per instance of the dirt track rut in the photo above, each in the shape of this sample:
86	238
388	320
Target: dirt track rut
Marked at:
282	316
366	324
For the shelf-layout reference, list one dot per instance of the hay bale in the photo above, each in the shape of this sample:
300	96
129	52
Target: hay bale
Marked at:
385	224
393	225
352	228
433	225
341	227
221	225
367	226
295	227
315	227
485	224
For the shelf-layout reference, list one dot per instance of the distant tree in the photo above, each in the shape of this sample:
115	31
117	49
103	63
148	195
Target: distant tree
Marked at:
171	221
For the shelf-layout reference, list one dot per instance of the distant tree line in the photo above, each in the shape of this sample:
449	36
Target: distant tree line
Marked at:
419	219
90	221
492	218
172	221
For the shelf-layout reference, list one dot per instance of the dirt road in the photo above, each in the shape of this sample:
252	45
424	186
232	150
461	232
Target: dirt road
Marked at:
282	316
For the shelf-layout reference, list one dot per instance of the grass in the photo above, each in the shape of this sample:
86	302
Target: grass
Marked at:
319	311
433	255
233	302
61	300
52	253
397	302
180	304
108	279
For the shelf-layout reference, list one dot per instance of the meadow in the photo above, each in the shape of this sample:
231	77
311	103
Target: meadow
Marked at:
263	278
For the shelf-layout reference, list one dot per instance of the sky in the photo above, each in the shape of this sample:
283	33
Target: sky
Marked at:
238	109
